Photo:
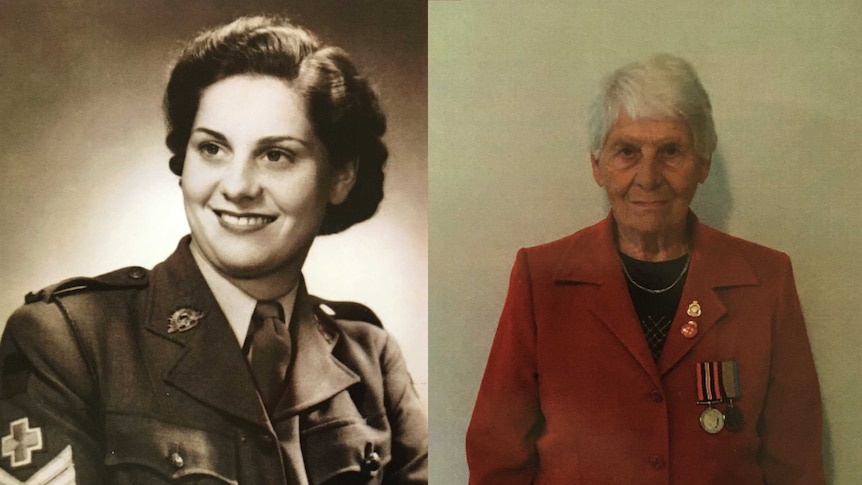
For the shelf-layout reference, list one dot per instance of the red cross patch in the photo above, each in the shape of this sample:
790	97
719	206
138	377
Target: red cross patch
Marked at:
21	442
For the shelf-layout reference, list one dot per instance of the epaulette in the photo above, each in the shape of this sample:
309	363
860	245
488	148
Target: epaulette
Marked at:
129	277
348	310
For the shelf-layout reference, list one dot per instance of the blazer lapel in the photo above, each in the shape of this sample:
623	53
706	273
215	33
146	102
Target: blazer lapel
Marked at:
713	267
205	360
315	375
599	265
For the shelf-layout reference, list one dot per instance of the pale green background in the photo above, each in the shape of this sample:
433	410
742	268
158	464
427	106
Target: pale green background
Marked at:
510	83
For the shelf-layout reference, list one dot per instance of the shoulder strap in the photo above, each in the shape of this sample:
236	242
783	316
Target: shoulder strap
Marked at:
347	310
129	277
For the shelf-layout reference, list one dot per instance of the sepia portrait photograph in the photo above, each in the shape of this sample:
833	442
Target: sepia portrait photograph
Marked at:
214	242
644	242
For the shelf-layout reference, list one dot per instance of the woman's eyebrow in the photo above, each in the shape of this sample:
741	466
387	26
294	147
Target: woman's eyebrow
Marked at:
212	133
276	139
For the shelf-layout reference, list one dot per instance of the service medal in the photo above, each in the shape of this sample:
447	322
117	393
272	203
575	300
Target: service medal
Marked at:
711	420
718	382
733	419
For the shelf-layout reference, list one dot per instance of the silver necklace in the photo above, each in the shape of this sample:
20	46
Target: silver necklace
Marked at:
650	290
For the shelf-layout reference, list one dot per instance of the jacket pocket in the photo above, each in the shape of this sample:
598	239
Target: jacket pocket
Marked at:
137	444
346	451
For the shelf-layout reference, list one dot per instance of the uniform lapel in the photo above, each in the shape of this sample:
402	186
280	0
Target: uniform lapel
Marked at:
594	260
315	375
204	361
714	266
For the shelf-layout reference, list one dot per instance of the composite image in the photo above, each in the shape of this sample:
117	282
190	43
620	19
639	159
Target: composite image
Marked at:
402	242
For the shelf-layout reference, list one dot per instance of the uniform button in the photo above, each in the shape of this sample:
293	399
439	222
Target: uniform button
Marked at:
176	460
137	273
267	439
656	395
372	461
657	462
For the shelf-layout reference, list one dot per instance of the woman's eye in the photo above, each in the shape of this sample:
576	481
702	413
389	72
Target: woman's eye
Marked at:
278	156
627	151
210	149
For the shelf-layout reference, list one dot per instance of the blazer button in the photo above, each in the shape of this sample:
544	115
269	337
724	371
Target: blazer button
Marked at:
657	462
656	395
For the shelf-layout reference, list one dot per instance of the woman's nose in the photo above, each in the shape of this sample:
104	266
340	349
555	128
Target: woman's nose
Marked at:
649	174
240	180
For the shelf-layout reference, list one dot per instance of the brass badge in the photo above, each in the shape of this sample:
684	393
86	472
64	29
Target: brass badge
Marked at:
184	319
694	309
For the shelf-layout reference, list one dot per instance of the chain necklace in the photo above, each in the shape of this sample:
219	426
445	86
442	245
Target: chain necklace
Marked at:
650	290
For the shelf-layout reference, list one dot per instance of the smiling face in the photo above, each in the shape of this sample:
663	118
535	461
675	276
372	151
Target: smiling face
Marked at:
256	180
650	172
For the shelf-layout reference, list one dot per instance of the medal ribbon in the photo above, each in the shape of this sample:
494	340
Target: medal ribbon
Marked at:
717	381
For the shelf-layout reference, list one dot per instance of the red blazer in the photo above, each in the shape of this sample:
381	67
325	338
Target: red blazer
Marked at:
571	394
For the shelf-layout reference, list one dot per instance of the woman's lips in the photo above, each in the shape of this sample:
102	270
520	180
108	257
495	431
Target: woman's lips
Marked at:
243	221
650	204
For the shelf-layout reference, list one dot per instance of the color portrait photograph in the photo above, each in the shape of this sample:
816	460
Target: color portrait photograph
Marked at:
644	242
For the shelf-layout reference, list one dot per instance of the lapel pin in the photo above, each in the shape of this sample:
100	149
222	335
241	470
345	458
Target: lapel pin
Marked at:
689	330
694	309
184	319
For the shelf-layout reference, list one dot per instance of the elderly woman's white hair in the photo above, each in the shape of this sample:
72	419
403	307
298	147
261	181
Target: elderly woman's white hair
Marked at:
661	87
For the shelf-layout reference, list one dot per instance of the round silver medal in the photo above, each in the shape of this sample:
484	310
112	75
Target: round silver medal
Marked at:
711	420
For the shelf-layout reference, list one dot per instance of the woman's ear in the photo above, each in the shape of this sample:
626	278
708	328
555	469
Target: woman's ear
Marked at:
345	178
703	169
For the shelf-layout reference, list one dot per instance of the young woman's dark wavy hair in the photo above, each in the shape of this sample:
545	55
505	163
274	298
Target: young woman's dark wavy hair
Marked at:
341	105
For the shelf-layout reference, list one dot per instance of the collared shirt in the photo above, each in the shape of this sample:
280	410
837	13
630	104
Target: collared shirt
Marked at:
236	304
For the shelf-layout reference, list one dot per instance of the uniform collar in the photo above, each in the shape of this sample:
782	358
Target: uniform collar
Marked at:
205	361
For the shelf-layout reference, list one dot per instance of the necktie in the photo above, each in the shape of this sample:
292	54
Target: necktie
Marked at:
270	349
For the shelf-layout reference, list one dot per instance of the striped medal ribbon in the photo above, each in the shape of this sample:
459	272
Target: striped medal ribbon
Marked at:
718	382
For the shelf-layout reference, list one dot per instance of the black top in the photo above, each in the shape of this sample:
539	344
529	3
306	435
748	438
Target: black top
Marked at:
655	310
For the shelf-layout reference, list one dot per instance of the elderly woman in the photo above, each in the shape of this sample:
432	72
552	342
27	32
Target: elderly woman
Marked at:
217	366
649	348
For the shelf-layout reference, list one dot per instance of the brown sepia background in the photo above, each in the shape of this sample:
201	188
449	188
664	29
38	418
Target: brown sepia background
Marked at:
84	179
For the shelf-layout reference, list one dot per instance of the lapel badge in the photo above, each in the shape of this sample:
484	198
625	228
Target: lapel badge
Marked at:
184	319
694	309
689	330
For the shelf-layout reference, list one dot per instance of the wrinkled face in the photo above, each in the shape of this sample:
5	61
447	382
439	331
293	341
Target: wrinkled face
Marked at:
256	180
650	172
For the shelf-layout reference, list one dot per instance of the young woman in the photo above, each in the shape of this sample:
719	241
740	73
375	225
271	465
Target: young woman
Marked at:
217	366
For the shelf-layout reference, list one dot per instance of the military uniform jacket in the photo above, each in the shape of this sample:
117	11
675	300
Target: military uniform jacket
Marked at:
101	385
571	393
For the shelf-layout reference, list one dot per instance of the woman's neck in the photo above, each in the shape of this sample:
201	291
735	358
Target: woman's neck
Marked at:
269	286
653	247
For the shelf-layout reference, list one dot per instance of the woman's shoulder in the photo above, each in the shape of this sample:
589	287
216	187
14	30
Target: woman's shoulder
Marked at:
352	321
130	277
757	255
57	305
346	310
